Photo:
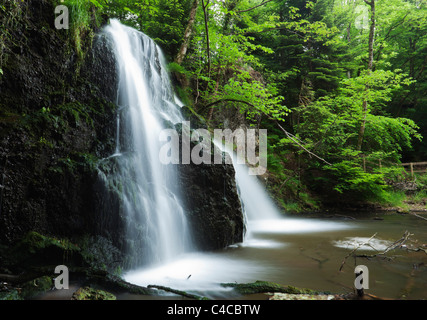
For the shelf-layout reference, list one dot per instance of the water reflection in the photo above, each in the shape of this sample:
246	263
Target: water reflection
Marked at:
306	253
286	226
363	244
243	262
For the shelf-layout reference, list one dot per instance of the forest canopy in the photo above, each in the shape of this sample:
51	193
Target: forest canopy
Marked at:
339	84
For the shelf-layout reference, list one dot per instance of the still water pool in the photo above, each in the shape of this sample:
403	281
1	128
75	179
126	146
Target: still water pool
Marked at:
306	253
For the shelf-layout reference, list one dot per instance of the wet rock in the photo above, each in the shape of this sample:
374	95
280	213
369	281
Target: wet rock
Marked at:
211	200
213	205
36	286
57	118
57	124
88	293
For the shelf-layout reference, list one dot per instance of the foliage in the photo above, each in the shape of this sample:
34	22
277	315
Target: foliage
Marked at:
303	65
82	16
300	64
352	179
163	20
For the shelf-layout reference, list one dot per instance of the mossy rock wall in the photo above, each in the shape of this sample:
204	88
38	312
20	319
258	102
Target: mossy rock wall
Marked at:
57	119
57	122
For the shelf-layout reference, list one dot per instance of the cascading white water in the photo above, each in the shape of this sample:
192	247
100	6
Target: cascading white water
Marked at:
157	229
156	223
262	215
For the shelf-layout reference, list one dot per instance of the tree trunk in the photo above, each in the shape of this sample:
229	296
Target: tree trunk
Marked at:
208	49
187	34
370	67
181	77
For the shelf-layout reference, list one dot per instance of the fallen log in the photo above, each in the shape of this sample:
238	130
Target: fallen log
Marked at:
178	292
264	287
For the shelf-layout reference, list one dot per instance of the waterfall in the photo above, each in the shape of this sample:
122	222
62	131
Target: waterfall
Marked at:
261	213
156	224
157	232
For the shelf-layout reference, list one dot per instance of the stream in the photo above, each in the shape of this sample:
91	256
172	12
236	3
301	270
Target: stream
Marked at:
306	253
302	252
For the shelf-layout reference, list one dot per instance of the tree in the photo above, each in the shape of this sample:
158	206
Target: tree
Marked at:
371	3
187	34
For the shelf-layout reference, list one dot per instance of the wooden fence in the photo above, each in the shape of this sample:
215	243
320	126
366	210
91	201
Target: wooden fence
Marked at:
410	167
415	167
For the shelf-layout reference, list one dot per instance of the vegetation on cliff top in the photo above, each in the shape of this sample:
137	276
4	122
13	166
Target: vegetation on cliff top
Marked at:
339	85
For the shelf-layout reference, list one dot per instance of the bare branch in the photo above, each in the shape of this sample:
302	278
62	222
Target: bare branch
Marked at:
301	146
289	135
354	250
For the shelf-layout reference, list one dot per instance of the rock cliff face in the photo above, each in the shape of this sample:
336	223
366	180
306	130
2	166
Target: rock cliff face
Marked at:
211	198
213	205
57	121
57	118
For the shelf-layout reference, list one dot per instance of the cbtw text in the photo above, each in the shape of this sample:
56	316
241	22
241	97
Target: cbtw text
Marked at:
178	148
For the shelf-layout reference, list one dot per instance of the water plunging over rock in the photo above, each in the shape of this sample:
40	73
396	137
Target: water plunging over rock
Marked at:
156	224
167	209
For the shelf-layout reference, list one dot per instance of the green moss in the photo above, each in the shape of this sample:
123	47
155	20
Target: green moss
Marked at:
36	247
36	286
82	16
10	295
99	253
191	115
75	161
265	286
88	293
291	206
34	241
78	112
44	142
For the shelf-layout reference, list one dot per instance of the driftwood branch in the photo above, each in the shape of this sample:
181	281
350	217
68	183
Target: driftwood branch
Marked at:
418	216
398	244
354	250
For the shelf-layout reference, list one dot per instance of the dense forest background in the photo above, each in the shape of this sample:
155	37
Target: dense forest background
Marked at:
339	84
